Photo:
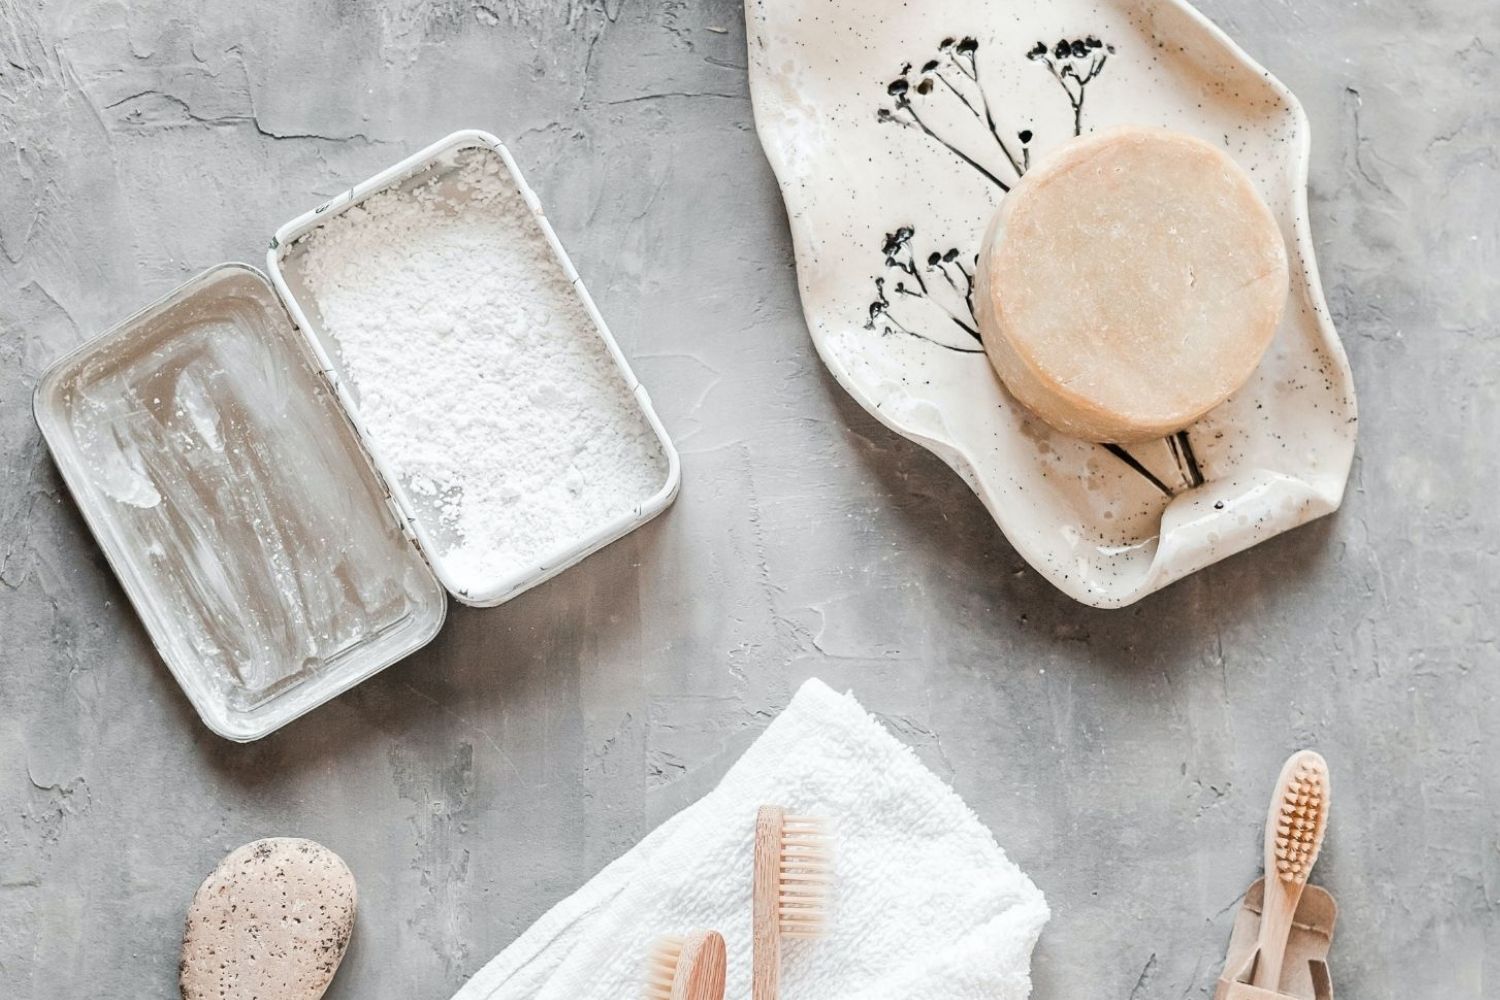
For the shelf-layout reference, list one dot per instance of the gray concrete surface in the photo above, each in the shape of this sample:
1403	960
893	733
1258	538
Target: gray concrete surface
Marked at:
1123	758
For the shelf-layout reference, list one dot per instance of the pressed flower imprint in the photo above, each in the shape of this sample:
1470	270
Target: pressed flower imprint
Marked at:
1080	60
939	280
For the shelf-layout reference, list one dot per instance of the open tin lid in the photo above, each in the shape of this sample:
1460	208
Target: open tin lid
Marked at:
217	453
236	503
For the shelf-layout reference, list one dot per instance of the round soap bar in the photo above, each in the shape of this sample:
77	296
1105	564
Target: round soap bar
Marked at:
272	920
1129	283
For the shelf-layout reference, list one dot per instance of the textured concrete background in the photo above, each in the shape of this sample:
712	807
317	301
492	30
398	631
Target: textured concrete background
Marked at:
1123	758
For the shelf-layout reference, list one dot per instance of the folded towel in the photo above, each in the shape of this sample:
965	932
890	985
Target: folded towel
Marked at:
925	903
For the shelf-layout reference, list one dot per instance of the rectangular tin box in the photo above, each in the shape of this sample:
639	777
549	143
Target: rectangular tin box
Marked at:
203	593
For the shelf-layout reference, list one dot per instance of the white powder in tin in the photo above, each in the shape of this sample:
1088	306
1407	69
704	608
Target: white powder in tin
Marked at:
478	371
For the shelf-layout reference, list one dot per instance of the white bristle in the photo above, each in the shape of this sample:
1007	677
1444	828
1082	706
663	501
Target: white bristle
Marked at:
805	867
661	968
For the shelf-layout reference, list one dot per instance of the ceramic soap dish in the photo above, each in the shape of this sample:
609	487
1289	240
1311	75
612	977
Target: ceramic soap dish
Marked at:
1306	975
894	131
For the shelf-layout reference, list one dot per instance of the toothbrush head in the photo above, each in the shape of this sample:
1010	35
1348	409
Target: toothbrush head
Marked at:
804	877
1300	816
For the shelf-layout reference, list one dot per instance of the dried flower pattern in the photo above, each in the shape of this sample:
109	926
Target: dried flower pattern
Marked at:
1079	60
940	280
952	75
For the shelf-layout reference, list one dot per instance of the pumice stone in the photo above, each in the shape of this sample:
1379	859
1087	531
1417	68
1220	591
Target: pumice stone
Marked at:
272	920
1129	283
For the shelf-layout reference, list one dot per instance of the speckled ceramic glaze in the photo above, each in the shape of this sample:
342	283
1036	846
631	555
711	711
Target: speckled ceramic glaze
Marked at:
895	129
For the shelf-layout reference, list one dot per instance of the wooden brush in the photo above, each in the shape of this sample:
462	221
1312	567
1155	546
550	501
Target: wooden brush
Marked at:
792	876
687	967
1294	832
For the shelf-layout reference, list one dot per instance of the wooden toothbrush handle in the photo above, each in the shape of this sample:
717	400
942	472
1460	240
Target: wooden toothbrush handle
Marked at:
701	969
765	968
1276	913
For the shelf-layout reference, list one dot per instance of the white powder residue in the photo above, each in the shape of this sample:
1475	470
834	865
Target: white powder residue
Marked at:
478	371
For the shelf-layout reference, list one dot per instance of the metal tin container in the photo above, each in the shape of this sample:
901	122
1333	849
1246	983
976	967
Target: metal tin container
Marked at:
433	165
218	456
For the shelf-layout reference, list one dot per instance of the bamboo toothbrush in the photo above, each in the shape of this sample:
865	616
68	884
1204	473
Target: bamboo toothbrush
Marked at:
1294	832
687	967
792	877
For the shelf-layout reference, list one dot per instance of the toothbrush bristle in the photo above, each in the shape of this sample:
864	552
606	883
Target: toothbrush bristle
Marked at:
1301	820
661	968
806	874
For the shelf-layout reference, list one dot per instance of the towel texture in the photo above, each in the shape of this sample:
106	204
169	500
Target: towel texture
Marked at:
925	905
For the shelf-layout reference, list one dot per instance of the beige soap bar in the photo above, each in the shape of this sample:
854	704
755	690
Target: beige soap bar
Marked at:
1129	283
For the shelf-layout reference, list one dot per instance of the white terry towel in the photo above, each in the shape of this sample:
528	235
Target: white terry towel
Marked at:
925	904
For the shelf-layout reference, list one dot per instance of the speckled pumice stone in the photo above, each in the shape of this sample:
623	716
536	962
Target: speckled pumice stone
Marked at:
271	922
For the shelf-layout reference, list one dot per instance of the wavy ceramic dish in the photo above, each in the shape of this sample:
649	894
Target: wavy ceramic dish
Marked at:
895	129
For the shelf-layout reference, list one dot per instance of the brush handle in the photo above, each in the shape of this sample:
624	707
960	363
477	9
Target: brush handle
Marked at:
765	970
701	970
1276	914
